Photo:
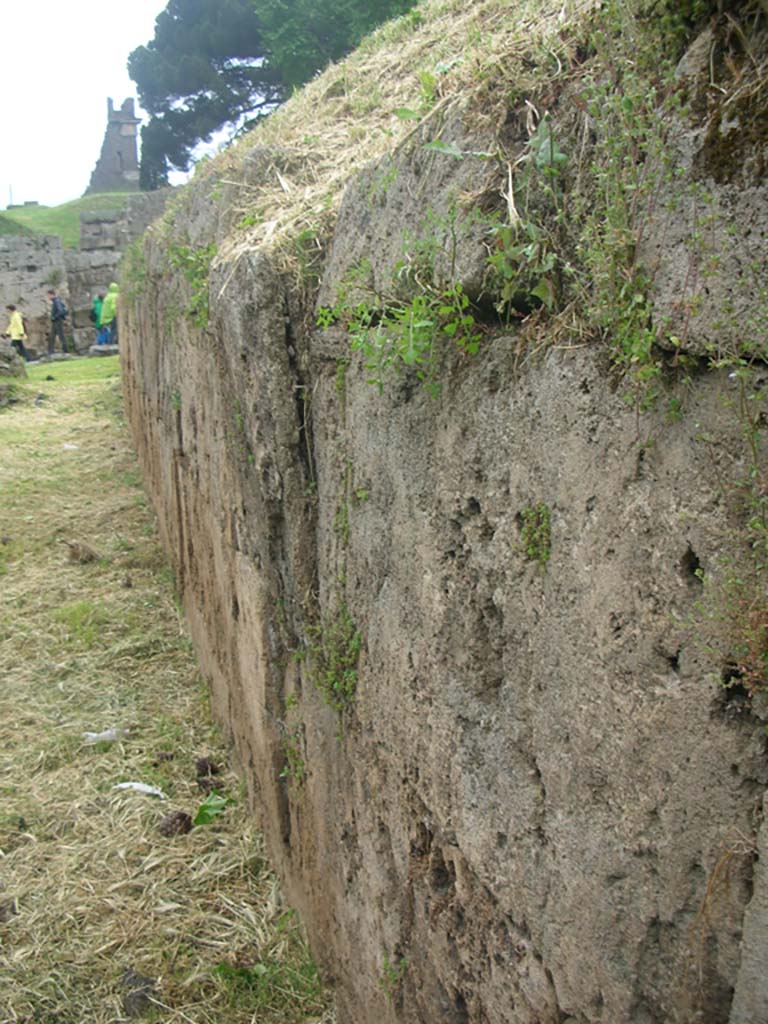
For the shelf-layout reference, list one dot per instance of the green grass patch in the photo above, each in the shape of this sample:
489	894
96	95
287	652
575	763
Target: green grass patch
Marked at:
76	371
12	227
64	220
88	647
82	621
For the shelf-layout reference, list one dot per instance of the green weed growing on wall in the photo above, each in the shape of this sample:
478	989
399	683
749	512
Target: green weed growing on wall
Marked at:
528	261
333	652
294	769
536	532
629	102
194	263
393	972
405	328
134	273
581	196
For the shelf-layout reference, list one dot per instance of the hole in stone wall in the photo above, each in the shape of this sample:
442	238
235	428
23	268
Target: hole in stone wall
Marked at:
522	304
421	842
730	677
460	1008
690	567
640	467
734	700
441	875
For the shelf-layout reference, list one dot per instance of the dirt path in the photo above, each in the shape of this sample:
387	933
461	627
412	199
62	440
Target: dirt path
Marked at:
103	917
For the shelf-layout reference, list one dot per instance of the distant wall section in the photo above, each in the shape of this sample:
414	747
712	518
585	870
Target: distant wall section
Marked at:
31	264
104	236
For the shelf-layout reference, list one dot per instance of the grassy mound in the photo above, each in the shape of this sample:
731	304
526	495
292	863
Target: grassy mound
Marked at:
8	226
63	220
103	916
412	71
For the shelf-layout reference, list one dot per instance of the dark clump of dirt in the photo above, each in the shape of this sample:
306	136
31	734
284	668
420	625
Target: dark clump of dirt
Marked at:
735	96
735	147
138	994
206	771
178	823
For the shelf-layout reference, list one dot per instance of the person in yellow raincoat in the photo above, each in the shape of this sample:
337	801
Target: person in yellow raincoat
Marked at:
109	313
16	332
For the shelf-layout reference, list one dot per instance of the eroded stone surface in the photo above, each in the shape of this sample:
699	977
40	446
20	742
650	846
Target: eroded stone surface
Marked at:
525	815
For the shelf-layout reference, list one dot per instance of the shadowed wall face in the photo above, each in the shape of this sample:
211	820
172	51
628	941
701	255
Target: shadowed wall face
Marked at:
464	642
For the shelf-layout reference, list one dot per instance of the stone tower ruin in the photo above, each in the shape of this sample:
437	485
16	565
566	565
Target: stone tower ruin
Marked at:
117	169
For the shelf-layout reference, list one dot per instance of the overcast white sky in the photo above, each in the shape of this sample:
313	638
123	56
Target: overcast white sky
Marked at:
60	61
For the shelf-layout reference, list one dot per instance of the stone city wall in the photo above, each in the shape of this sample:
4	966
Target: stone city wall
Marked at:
476	649
29	266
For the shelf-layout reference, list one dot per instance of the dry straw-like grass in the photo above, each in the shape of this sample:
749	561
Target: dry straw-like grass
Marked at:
101	915
438	58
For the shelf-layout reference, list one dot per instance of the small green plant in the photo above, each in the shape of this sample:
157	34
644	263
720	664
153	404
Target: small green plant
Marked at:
194	263
527	261
395	334
522	262
55	277
428	90
133	270
392	974
271	986
294	770
308	250
334	651
214	805
737	612
341	522
404	328
83	621
536	536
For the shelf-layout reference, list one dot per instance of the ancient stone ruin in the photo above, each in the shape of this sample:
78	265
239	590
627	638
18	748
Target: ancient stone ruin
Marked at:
117	169
30	264
452	407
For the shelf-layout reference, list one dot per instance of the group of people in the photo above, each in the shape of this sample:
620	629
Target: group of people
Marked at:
103	316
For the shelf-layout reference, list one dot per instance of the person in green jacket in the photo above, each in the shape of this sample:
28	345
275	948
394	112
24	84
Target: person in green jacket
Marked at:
109	313
95	314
